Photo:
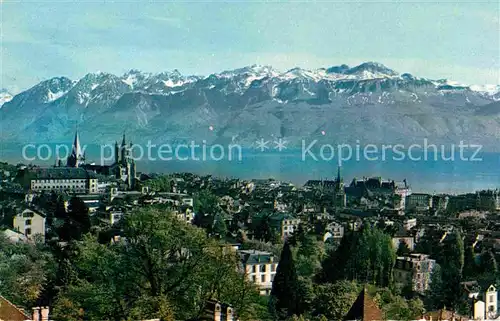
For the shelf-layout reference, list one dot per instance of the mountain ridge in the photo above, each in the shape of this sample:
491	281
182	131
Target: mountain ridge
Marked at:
369	102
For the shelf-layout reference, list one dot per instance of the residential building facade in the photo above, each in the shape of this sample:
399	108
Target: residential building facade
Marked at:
72	180
30	223
260	268
414	271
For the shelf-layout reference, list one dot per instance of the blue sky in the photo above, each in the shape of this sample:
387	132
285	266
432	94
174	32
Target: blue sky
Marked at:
42	39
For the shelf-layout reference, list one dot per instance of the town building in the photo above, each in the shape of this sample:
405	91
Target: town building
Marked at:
484	302
375	192
488	200
260	268
123	167
76	158
71	180
335	187
400	238
217	311
334	231
440	203
284	223
30	223
414	271
419	202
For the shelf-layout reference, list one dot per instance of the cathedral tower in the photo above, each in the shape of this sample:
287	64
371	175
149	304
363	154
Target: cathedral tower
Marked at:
76	158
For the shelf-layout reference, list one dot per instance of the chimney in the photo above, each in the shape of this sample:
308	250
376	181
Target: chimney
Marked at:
45	314
36	314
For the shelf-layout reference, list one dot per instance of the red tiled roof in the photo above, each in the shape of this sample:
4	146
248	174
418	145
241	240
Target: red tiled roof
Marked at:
9	312
364	308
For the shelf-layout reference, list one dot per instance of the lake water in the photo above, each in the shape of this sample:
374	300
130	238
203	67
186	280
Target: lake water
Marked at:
431	175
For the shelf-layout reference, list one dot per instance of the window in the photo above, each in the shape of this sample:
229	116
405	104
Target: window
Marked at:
254	268
263	278
273	267
492	298
263	268
254	278
27	231
272	277
27	222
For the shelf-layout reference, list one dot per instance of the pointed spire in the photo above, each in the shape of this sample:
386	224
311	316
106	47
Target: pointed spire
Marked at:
76	157
338	174
123	140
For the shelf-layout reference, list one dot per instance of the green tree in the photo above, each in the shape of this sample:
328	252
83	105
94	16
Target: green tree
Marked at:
76	222
159	184
25	271
367	257
452	263
470	265
164	269
488	263
285	296
334	266
403	249
435	296
333	300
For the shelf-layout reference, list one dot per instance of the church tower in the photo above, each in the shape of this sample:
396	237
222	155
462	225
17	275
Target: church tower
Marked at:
123	150
76	158
124	167
340	197
117	153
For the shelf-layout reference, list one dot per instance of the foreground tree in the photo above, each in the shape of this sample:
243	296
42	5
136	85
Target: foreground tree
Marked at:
367	257
162	268
25	272
285	298
333	300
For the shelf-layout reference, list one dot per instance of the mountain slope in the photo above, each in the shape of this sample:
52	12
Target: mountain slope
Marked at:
369	103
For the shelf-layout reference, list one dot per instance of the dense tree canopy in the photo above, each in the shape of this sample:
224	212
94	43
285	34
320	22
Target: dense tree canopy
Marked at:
161	268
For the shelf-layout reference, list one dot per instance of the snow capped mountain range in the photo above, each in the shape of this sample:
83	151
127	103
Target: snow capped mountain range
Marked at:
365	102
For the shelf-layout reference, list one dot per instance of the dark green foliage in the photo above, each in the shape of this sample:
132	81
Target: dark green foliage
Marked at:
333	300
76	222
25	272
366	257
165	269
451	261
488	263
403	249
285	297
470	266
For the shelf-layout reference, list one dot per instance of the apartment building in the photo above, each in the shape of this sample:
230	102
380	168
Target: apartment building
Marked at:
414	270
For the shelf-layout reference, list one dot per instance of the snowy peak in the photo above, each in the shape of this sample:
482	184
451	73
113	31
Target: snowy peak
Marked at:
338	69
371	70
47	91
5	97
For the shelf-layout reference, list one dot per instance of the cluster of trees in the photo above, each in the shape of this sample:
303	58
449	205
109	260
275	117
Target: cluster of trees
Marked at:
456	263
366	257
326	288
161	268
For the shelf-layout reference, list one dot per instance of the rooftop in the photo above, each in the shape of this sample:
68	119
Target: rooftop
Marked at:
62	173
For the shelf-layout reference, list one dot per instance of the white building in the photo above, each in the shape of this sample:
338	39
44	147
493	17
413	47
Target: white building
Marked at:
64	179
260	268
30	223
486	309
